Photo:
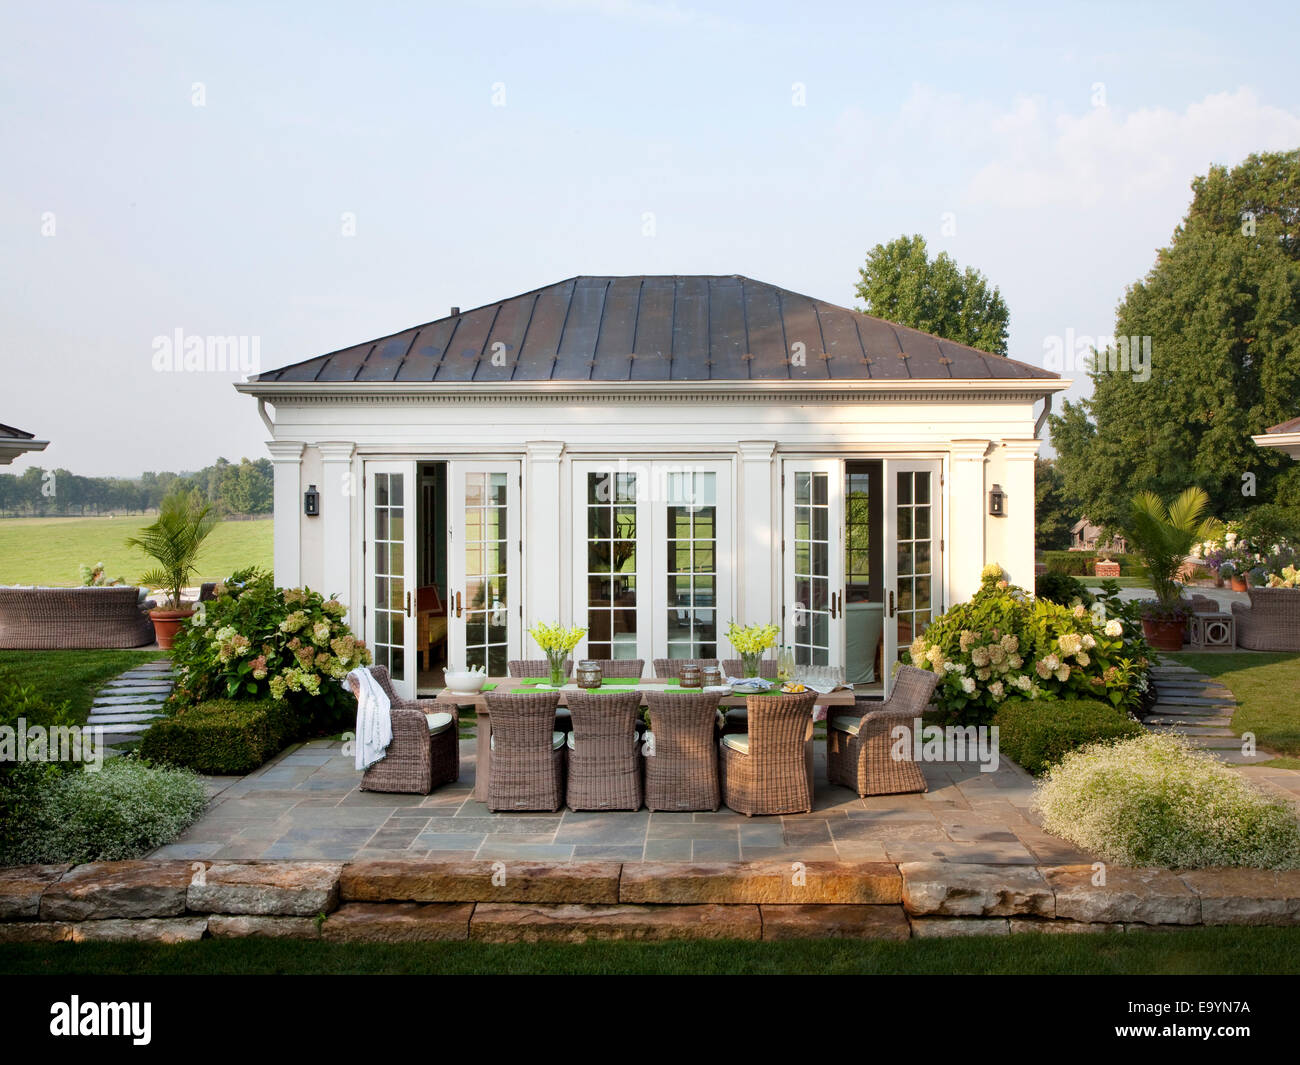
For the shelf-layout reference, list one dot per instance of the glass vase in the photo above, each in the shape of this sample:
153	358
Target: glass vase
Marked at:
556	661
750	662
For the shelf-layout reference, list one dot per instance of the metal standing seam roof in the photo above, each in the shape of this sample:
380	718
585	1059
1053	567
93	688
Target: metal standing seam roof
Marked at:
15	434
1291	426
656	328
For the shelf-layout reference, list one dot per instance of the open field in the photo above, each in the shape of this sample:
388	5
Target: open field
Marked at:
49	550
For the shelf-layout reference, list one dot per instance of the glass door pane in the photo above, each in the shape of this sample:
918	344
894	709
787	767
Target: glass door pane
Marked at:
390	542
814	561
483	630
912	561
610	563
691	552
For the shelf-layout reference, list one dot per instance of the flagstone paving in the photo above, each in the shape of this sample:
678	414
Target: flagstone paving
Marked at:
1192	705
126	706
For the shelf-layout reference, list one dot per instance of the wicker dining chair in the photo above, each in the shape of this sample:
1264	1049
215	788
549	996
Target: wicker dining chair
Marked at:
527	752
536	667
738	716
681	769
768	769
604	771
419	758
669	668
859	748
619	667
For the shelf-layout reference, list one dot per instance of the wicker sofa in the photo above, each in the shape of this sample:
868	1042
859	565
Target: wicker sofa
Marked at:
56	619
1271	622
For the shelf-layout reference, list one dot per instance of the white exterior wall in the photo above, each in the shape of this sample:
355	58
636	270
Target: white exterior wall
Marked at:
981	439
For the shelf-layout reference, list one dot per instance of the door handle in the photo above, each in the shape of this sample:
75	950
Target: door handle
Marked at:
891	604
408	604
458	604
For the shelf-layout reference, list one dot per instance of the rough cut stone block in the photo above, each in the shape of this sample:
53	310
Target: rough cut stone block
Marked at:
956	889
794	883
516	881
1246	896
301	889
1029	924
398	922
834	922
1147	896
100	890
35	932
244	926
21	887
511	922
952	927
165	930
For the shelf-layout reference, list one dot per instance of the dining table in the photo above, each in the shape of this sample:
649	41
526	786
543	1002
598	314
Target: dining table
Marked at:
841	697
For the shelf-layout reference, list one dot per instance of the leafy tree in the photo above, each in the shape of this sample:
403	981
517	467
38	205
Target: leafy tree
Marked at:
1053	515
1221	307
903	284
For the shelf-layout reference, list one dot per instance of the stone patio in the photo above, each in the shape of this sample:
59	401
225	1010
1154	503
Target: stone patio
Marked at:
306	805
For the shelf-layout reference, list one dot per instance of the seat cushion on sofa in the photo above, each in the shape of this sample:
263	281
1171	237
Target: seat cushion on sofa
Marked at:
439	722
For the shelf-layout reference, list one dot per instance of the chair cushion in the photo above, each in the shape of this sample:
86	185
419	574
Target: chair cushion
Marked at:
557	741
844	723
737	741
738	713
563	711
439	722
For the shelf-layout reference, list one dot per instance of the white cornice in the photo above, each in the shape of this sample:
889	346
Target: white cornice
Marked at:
1286	442
309	392
13	446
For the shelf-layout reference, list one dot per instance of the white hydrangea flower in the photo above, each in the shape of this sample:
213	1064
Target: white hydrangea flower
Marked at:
1114	628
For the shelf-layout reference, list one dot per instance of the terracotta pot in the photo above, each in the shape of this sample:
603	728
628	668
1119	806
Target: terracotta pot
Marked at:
166	623
1164	635
1239	584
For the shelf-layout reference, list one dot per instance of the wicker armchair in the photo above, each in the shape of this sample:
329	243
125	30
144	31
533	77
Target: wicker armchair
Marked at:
619	667
768	770
1271	622
527	753
419	758
38	619
604	760
859	749
536	667
668	668
681	769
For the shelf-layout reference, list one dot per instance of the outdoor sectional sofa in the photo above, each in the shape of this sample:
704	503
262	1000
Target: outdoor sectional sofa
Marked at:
1271	622
53	619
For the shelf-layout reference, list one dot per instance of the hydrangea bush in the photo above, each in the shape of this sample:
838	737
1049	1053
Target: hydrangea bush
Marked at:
1156	801
1002	644
257	641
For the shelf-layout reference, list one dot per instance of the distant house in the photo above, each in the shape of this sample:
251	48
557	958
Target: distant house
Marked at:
1085	536
15	442
1285	437
649	458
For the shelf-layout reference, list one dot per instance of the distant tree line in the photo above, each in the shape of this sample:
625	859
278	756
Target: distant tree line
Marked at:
232	489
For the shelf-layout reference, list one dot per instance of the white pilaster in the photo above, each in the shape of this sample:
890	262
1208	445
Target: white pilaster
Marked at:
1019	488
286	455
339	495
758	536
543	531
965	546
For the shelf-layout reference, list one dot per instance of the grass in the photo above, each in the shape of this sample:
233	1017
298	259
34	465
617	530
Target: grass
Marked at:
1094	583
1196	951
72	676
1267	689
48	551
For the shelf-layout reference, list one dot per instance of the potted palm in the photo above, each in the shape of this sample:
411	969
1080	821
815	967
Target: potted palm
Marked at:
1164	537
173	542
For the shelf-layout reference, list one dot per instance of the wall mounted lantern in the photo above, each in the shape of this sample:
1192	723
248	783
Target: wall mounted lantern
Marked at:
311	502
998	502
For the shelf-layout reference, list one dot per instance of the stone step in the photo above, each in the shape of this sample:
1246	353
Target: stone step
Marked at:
513	922
1194	689
127	689
153	709
126	728
1174	710
1237	758
1215	743
1177	699
120	719
1172	669
121	700
1194	730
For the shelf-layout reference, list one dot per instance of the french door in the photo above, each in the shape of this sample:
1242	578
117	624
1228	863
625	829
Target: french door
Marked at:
652	559
390	567
485	586
839	611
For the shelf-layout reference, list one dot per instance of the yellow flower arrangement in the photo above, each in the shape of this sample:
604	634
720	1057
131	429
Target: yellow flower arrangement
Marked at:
556	639
752	639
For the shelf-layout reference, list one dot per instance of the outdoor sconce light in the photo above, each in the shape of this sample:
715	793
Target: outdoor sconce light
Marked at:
998	502
311	502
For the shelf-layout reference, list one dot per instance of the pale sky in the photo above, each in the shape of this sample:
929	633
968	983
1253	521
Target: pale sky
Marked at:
478	151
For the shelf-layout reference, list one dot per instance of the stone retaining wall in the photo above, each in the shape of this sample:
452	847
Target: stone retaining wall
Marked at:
396	901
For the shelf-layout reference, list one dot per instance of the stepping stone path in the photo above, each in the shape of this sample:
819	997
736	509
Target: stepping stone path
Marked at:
1194	706
129	704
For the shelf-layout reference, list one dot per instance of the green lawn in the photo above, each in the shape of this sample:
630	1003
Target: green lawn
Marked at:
49	550
1267	689
1192	951
74	676
1094	583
